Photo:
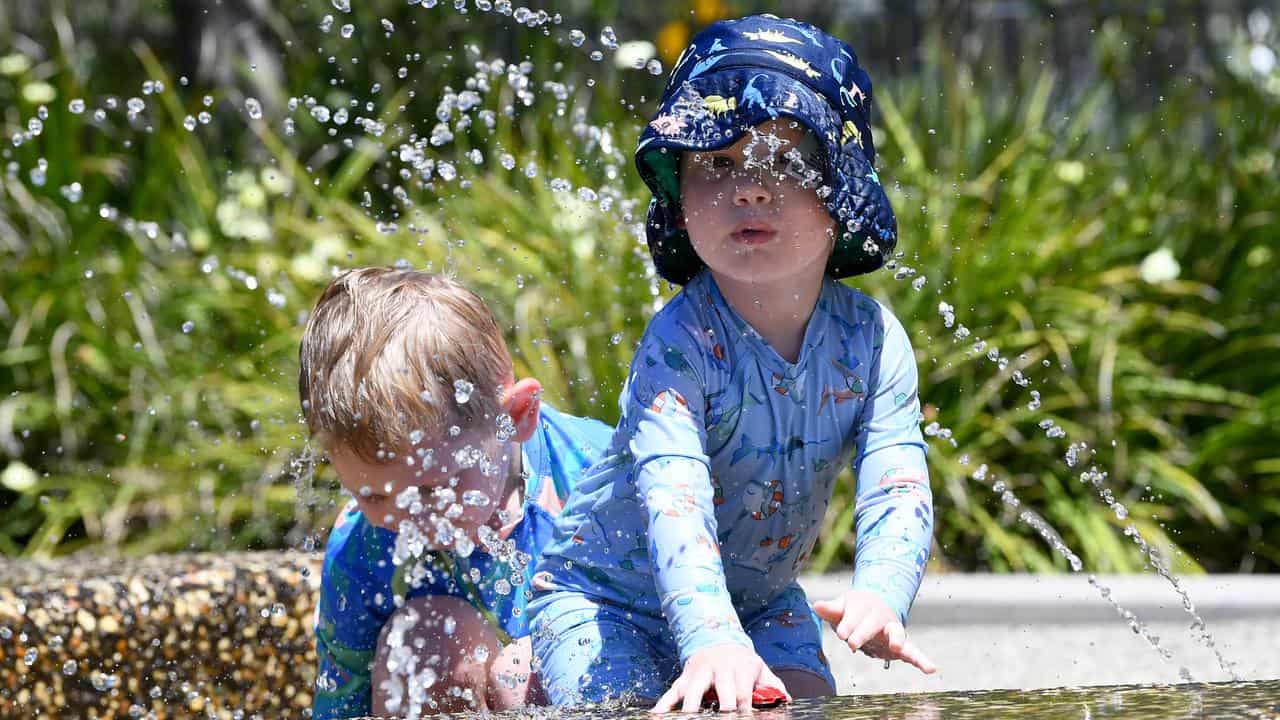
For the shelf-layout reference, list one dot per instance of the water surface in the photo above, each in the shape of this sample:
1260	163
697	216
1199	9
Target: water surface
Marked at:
1259	699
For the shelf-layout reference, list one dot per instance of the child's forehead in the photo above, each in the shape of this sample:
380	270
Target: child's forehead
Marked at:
438	445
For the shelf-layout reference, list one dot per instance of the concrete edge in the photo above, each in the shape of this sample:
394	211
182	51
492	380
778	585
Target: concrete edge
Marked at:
1066	599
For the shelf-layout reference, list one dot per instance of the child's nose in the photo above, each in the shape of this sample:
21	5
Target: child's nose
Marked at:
751	191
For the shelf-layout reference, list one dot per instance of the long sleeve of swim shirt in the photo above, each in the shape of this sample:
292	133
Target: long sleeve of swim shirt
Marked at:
894	506
673	483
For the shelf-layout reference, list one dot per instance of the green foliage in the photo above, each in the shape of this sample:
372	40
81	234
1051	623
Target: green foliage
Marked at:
1045	218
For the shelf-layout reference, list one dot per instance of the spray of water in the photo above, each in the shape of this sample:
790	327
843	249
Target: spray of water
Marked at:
420	162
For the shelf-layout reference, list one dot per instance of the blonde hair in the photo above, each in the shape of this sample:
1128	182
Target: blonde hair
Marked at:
381	354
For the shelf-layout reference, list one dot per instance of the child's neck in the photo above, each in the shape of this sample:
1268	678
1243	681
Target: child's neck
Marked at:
778	311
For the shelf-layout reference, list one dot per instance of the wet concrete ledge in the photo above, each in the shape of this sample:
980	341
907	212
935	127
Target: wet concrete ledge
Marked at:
177	635
982	598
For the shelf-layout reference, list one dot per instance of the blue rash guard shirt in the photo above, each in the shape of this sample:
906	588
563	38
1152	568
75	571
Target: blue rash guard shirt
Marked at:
718	476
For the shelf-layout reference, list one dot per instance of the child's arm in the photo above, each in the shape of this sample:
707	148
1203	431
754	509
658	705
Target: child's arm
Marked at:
664	408
346	629
894	506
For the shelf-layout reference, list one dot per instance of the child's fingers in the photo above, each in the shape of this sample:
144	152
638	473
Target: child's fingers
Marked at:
694	690
849	619
726	693
768	679
668	701
830	610
915	656
897	638
869	627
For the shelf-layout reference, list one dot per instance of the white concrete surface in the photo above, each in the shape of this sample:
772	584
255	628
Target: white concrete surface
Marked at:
1010	631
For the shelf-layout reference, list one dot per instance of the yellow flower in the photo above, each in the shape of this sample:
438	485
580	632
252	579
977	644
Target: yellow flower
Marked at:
709	11
671	40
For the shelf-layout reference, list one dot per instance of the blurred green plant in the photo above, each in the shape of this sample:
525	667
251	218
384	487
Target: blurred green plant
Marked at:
151	313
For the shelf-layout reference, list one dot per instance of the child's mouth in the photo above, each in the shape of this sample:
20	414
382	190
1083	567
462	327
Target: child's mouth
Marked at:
753	234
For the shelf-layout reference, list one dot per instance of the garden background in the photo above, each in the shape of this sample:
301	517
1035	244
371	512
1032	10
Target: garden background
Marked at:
1087	184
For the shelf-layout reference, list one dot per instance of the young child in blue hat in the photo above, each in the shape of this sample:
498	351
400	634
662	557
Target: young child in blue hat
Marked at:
673	569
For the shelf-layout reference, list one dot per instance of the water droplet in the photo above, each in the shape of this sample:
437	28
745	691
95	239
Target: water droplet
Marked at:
342	5
188	326
463	545
608	38
253	107
103	682
326	23
615	339
462	391
76	106
69	667
347	30
577	37
506	427
654	66
30	656
475	498
388	25
189	123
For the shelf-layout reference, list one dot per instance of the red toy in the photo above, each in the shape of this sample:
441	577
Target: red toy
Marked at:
763	697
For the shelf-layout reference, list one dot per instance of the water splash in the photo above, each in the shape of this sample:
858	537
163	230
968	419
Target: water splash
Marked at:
1095	478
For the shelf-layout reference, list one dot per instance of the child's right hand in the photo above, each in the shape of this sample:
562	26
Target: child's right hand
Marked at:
865	622
732	670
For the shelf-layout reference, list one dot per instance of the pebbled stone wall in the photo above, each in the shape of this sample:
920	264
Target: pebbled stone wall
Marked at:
220	636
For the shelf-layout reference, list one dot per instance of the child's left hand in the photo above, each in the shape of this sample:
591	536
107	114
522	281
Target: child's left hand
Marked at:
863	620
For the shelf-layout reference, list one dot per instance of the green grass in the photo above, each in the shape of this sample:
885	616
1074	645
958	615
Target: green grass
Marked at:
1028	209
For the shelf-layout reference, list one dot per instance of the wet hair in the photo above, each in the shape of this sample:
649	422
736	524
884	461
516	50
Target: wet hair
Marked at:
386	355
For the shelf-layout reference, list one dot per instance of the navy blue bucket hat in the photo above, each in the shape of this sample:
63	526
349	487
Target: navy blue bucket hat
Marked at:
739	73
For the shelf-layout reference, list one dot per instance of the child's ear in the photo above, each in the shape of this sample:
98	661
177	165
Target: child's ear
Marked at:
522	400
